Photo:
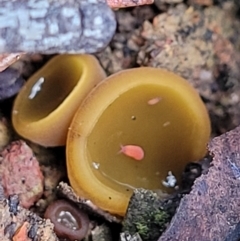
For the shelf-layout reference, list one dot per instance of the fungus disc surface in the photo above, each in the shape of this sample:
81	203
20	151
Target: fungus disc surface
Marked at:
148	108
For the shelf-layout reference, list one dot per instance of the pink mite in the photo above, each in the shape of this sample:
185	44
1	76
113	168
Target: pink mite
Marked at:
133	151
154	101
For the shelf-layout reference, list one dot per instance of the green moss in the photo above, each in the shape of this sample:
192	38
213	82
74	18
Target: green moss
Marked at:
146	215
142	229
160	217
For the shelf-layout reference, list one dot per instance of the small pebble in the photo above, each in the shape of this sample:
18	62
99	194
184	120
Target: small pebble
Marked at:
20	173
11	82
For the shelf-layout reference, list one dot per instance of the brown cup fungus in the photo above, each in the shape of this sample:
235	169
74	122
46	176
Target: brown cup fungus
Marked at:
69	222
44	108
136	127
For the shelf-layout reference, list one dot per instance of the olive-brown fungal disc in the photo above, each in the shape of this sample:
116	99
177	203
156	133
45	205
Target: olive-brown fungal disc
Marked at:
136	128
45	106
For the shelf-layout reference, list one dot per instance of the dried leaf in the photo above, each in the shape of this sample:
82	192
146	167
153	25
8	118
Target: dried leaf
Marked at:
8	59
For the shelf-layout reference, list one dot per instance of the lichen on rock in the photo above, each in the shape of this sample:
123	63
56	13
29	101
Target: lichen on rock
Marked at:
55	26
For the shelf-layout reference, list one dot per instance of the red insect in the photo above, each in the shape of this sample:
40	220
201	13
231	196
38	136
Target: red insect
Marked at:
133	151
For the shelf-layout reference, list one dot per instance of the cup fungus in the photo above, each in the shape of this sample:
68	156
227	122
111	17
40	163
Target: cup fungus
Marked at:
69	222
132	130
44	108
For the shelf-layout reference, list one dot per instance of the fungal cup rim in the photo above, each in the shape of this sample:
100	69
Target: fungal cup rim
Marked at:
80	174
38	131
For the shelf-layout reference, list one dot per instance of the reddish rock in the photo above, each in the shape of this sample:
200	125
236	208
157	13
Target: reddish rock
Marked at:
20	173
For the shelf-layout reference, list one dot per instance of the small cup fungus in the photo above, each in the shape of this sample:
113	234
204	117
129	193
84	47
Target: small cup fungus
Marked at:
69	222
133	129
44	108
